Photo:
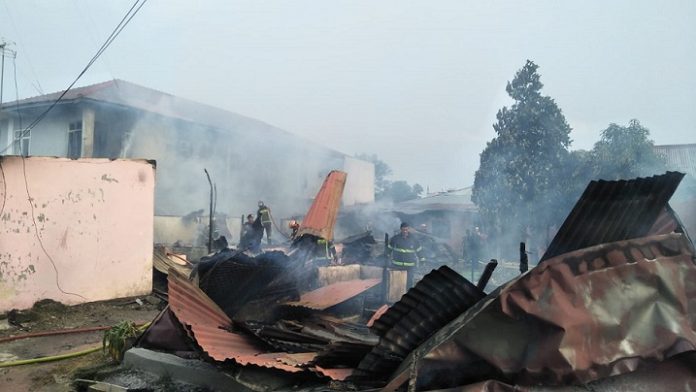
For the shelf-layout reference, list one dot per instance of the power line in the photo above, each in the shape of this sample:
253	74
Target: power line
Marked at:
122	24
137	5
36	86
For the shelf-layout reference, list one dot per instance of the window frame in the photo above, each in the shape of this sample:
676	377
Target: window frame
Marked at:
75	127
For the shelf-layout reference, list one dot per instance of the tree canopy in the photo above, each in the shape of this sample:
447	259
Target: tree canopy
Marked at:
625	152
518	181
385	189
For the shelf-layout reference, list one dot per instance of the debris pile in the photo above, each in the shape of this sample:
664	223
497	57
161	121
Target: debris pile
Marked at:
612	300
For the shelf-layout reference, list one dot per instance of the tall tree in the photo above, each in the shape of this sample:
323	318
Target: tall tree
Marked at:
518	184
385	189
625	152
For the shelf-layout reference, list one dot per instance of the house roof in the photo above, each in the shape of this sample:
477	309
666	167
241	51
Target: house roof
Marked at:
131	95
679	156
455	200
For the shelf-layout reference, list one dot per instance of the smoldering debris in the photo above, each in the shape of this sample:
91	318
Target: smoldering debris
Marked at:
564	322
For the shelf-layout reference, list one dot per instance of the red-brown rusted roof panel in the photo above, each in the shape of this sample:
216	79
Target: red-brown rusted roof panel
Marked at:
338	374
383	309
206	321
321	217
191	305
333	294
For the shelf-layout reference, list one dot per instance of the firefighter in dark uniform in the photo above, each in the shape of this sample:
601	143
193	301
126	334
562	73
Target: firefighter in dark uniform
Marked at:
325	253
404	253
264	215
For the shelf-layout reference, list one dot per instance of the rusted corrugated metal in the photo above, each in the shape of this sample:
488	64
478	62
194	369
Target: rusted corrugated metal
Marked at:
321	218
378	313
610	211
434	301
674	374
333	294
583	316
339	374
209	326
234	279
191	306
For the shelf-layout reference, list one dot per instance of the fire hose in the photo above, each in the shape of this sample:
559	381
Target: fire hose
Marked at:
59	356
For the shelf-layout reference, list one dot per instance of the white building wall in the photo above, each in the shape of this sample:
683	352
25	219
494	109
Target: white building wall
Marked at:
360	184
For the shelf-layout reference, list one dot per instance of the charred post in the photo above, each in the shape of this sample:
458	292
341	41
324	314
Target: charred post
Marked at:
210	219
487	273
524	260
385	270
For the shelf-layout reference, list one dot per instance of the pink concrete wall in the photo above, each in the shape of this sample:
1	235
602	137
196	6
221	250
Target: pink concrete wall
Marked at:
94	218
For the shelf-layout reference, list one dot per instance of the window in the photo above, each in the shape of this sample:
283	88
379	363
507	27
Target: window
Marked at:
75	139
21	141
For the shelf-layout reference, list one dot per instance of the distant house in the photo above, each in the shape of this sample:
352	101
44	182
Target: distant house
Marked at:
682	157
446	215
248	160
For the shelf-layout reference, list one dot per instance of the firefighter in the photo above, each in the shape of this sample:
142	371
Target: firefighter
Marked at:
264	215
294	226
325	253
404	253
250	238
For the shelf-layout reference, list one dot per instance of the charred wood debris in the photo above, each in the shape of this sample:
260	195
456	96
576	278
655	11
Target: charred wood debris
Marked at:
610	305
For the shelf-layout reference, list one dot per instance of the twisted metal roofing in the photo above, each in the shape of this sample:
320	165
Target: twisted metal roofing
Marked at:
434	301
333	294
610	211
209	326
321	217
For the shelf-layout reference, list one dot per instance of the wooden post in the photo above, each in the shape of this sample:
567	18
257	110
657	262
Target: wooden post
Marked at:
385	270
524	260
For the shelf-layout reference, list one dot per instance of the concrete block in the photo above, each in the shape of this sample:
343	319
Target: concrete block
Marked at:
190	371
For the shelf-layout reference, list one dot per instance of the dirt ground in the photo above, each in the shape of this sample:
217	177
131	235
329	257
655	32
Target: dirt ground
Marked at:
49	315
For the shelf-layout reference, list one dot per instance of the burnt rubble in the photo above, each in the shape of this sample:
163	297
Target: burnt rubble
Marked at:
610	305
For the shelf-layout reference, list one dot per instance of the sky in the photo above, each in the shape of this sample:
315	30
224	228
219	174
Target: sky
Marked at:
416	82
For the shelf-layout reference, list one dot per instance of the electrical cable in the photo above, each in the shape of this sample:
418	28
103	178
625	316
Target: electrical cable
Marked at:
115	33
38	235
122	24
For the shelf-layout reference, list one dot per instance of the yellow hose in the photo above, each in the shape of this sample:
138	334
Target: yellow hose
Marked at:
60	356
51	358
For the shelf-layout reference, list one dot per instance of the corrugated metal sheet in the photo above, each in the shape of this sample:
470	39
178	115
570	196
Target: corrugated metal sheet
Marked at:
233	280
321	217
679	156
335	374
191	306
378	313
579	317
434	301
162	262
333	294
610	211
208	325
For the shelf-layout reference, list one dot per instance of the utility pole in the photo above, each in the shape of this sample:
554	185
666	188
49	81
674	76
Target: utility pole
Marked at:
4	50
2	71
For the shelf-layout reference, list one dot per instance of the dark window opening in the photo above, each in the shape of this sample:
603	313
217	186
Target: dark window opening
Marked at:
75	139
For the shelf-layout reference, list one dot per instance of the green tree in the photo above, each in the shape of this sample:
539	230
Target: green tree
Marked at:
519	183
625	152
390	190
399	191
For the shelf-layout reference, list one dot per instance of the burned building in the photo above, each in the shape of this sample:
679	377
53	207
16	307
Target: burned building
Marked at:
118	119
